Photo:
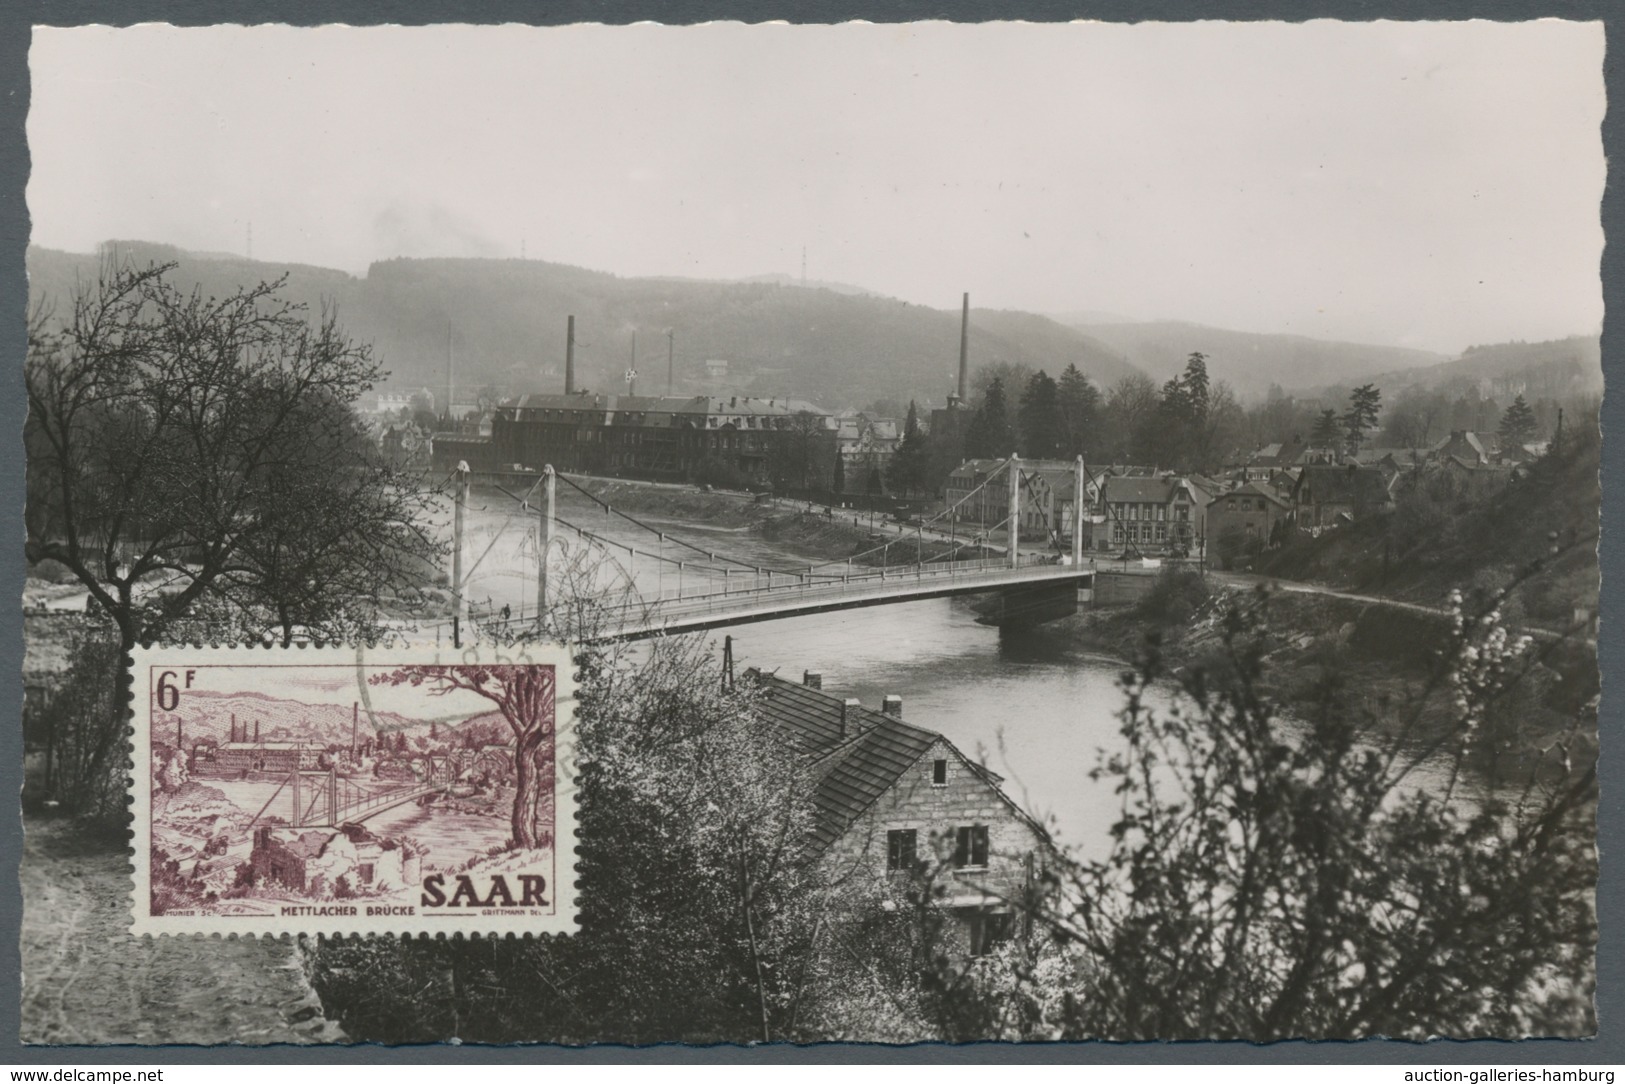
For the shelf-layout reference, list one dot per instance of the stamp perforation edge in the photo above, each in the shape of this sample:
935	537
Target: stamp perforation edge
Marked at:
498	920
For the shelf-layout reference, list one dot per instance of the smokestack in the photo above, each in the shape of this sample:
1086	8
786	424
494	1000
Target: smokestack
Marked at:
964	347
812	679
849	707
570	355
893	706
355	721
234	727
256	731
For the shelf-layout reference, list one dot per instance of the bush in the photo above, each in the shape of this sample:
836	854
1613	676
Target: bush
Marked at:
1175	597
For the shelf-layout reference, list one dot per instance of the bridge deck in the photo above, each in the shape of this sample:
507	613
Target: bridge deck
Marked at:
637	621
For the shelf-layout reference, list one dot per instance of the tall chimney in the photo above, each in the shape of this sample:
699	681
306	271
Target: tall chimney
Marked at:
256	731
355	721
570	355
812	679
234	727
849	707
893	706
964	348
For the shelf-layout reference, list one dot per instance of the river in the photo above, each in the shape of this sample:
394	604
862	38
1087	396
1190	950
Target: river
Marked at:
1035	708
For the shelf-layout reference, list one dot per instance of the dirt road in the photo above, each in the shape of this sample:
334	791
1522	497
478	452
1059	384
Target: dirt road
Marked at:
86	980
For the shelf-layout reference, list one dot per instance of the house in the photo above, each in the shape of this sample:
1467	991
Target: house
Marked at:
1047	495
1465	478
1327	495
322	861
892	799
1245	520
1470	447
1158	514
865	445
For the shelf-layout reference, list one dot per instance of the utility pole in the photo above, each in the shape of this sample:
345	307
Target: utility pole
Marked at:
671	354
459	503
1077	515
1014	466
544	545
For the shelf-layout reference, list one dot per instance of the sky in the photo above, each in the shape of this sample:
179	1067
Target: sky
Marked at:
1433	185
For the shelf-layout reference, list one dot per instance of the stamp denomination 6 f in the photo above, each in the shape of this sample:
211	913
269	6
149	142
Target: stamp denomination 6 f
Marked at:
331	790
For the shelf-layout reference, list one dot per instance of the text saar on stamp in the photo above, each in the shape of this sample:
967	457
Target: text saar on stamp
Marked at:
342	790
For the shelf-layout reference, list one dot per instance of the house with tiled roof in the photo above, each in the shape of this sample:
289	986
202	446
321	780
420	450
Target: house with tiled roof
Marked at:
892	799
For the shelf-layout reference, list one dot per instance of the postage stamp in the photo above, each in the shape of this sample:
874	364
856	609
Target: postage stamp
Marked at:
342	790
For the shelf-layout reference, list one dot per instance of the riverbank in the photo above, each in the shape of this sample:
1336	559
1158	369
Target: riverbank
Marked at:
86	980
1386	659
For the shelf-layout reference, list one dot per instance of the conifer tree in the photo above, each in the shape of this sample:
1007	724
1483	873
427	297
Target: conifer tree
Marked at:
1517	424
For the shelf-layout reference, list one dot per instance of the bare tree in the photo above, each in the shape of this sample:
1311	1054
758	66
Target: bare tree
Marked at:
168	434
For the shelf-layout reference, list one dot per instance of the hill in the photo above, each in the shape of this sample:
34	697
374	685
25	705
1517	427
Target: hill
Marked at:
205	714
1539	370
1248	361
507	318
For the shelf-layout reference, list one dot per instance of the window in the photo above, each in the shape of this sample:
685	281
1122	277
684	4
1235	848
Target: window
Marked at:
970	846
987	931
1162	532
939	773
900	849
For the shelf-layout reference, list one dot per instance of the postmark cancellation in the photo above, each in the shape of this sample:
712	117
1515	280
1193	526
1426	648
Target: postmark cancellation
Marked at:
403	790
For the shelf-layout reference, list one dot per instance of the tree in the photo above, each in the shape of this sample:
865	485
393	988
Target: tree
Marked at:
1131	401
1517	425
161	428
1041	425
1328	429
1080	412
1271	880
342	528
524	697
704	918
1195	383
1365	403
909	462
990	435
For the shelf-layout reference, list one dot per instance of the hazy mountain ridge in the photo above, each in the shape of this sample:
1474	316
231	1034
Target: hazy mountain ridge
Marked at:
209	714
1548	369
1251	361
507	326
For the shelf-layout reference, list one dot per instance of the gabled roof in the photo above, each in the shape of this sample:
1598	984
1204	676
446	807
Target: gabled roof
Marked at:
853	770
1252	489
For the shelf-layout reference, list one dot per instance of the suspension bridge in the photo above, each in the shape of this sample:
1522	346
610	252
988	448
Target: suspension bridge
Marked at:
697	588
326	799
